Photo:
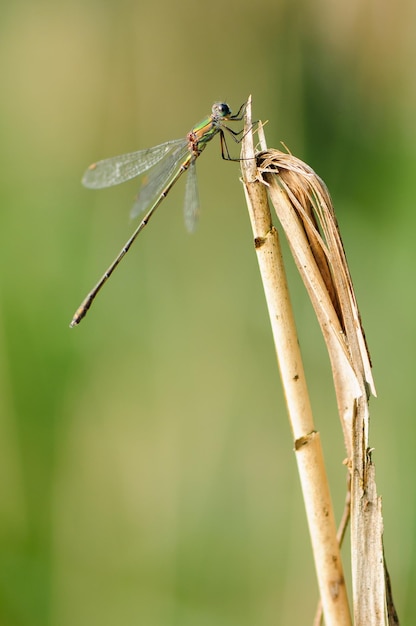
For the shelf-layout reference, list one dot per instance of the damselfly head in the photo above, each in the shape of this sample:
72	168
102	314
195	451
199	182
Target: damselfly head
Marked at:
221	109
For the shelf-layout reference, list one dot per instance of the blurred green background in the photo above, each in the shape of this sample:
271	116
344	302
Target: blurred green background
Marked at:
146	465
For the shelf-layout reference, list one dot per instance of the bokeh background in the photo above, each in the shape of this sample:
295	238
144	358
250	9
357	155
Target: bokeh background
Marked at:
146	465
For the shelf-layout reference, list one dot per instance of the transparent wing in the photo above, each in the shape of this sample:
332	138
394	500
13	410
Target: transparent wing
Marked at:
118	169
155	182
191	208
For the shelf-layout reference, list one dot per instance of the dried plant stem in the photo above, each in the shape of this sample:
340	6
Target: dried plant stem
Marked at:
308	448
305	212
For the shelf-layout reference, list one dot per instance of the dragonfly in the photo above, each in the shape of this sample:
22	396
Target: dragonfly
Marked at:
167	162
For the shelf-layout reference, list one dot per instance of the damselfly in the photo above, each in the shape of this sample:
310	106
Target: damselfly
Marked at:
169	161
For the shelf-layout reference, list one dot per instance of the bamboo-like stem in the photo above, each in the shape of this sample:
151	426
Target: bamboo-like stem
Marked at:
305	212
307	442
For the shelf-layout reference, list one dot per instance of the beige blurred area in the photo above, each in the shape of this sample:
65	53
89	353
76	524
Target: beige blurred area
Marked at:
146	466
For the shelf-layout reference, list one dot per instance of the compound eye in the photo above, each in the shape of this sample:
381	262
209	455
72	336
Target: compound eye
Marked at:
222	109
